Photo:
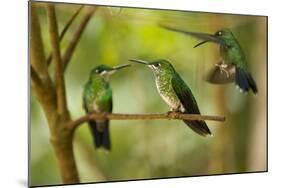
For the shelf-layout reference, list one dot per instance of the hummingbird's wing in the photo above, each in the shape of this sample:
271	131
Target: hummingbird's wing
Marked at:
102	135
219	76
184	94
188	101
99	129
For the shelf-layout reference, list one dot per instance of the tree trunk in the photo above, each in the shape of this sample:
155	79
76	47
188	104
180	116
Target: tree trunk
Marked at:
60	135
61	139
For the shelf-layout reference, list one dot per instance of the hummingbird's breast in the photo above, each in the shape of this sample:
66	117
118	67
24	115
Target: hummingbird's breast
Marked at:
98	97
167	93
224	54
233	54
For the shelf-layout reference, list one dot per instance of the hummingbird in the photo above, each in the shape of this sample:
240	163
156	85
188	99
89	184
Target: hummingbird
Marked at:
232	67
174	91
97	98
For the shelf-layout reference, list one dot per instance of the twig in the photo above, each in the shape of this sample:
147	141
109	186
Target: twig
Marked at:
77	35
169	115
59	76
68	24
70	21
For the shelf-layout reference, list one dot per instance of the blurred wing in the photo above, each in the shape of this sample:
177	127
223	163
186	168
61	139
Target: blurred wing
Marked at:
218	76
185	96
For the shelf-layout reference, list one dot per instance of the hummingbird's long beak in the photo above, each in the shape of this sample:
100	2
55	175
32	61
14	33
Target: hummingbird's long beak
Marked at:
202	36
139	61
114	69
200	43
207	38
122	66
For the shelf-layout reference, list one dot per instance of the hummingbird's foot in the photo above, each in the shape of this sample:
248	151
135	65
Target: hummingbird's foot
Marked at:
172	111
169	112
173	114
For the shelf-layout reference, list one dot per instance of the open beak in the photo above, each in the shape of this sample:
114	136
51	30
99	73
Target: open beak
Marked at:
200	43
202	36
206	38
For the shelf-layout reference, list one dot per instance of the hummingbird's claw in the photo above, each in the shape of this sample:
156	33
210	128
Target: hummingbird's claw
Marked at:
169	112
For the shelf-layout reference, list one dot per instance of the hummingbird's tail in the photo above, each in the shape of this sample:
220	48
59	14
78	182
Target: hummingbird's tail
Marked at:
200	127
245	81
100	133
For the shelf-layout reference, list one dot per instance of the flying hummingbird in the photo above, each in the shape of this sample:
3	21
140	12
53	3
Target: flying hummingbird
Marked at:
97	98
175	92
232	66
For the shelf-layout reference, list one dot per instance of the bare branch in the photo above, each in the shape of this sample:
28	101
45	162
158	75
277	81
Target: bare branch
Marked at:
59	74
68	24
37	55
41	81
169	115
77	35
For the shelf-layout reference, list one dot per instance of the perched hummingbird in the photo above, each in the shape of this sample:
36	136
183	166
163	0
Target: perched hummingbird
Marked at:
175	92
232	66
97	97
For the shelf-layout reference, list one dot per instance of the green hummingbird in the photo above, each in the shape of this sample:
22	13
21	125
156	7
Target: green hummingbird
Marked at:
97	98
232	66
175	92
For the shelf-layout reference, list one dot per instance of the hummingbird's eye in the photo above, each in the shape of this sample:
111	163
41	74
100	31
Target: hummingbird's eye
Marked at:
98	71
156	65
219	33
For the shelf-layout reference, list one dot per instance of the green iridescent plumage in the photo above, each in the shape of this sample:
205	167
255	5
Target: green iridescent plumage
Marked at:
176	93
232	67
97	98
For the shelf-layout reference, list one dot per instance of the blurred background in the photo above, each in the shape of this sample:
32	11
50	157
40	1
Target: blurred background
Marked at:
157	148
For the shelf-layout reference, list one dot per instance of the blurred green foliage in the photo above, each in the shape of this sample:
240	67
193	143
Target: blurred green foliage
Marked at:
157	148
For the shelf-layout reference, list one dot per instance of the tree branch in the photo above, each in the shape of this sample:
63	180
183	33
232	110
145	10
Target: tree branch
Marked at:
41	81
68	24
59	76
77	35
170	115
35	77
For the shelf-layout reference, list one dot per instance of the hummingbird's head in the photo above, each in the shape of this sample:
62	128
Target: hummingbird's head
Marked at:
105	71
157	66
224	34
221	37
